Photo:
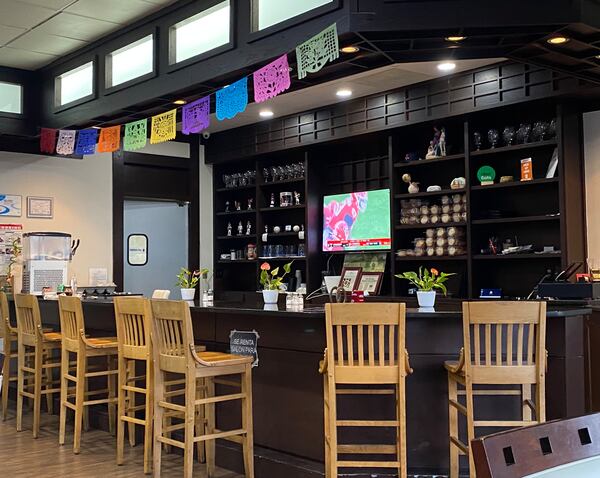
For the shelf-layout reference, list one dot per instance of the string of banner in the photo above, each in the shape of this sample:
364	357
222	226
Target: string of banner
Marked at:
269	81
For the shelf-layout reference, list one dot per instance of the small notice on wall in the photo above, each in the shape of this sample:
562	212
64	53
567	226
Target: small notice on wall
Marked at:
10	234
244	343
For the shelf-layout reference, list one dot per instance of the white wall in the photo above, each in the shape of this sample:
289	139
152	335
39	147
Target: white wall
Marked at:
591	136
82	192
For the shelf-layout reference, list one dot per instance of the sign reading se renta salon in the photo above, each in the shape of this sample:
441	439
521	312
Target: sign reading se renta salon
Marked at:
244	343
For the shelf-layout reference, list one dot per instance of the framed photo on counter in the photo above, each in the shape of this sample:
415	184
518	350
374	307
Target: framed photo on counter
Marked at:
350	278
40	207
370	282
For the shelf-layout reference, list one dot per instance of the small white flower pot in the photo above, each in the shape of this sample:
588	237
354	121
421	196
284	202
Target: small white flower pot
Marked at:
270	296
426	298
188	294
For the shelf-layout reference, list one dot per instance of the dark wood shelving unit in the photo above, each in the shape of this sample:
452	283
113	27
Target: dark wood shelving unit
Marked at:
238	188
283	181
408	227
556	255
503	220
244	236
422	162
428	194
516	184
514	147
431	258
236	213
277	208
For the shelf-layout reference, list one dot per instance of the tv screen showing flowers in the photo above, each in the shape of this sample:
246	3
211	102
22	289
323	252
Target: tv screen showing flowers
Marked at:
358	221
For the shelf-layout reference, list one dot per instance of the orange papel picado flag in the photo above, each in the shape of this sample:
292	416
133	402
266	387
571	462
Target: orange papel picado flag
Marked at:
110	139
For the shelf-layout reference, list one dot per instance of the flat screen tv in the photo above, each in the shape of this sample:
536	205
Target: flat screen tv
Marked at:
358	221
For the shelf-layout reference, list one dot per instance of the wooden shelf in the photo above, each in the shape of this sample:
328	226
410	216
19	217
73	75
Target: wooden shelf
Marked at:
421	162
271	209
233	213
432	193
239	188
237	261
516	184
430	258
283	258
285	181
527	255
244	236
515	147
282	234
427	226
502	220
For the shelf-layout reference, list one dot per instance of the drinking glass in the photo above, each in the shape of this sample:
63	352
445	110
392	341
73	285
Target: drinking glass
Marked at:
523	133
266	174
508	135
279	251
301	250
477	140
274	173
493	137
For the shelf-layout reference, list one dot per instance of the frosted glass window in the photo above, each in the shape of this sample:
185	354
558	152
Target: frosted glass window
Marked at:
11	98
271	12
130	61
201	33
75	84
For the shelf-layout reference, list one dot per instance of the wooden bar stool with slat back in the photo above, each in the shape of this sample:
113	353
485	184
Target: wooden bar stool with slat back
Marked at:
132	316
75	341
504	346
365	348
31	335
9	334
175	353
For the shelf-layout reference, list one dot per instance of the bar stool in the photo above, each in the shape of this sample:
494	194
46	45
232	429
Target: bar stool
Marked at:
31	335
75	341
9	335
365	347
504	345
132	316
174	352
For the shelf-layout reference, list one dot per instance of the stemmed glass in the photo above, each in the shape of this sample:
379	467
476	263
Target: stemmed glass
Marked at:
266	175
477	140
493	137
508	135
227	180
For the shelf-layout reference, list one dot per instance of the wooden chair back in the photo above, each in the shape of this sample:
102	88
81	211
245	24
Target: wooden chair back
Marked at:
172	335
72	323
504	342
366	342
523	451
29	322
5	328
132	316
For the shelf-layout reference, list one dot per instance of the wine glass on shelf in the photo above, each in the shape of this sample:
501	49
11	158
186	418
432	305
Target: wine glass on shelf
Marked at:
508	135
227	180
477	140
266	174
493	137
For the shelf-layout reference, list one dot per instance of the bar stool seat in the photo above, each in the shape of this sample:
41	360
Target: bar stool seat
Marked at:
52	336
454	367
103	342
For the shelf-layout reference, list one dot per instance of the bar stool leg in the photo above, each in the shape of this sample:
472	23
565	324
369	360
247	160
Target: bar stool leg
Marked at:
148	418
540	403
188	451
332	398
159	391
248	422
453	427
37	389
326	423
200	421
401	434
47	358
64	389
130	402
86	410
525	397
79	398
210	428
470	427
6	376
122	368
112	389
20	385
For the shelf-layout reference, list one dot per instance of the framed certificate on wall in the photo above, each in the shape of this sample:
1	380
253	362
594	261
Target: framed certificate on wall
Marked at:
40	207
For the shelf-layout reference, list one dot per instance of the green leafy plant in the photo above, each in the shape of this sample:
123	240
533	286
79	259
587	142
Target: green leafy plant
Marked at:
15	252
187	279
270	279
427	279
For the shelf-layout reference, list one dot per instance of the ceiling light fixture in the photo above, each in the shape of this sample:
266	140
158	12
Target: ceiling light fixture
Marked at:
597	57
455	38
446	66
266	114
349	49
558	40
344	93
179	102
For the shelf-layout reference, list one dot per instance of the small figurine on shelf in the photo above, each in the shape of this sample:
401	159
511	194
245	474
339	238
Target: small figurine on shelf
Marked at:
437	146
442	143
248	228
250	201
296	198
266	229
238	205
413	187
240	228
272	202
226	206
229	228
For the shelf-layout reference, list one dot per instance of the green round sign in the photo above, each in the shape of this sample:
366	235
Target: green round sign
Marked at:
486	174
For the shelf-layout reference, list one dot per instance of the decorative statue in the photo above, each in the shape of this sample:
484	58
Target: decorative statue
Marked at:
437	146
226	206
296	198
248	228
272	203
250	201
229	229
413	187
240	228
430	154
266	229
238	205
442	143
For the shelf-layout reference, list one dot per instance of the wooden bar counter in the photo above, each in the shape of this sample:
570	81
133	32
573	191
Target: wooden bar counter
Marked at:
288	390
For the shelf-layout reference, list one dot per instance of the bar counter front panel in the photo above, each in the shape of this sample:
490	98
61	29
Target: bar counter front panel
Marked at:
288	390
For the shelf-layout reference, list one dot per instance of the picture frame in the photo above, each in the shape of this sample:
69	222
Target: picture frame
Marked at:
350	278
40	207
10	205
370	282
137	249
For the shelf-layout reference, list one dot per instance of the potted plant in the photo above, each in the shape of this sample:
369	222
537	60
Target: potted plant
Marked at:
187	282
271	281
426	280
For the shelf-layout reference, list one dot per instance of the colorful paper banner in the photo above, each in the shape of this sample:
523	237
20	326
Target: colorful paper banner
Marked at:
48	140
110	139
313	54
163	127
196	116
66	141
232	99
86	141
272	79
136	135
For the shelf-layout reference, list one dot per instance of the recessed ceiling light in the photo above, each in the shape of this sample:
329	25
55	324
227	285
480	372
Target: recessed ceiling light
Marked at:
558	40
344	93
455	38
266	114
446	66
179	102
349	49
597	57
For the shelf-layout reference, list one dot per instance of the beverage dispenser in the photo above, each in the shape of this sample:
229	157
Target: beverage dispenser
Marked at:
46	256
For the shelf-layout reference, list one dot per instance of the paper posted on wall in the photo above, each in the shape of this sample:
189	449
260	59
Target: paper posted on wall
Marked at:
9	233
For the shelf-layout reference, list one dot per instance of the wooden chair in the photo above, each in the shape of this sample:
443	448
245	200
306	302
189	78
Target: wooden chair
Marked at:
365	347
161	294
504	345
9	334
31	335
74	340
572	445
175	353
